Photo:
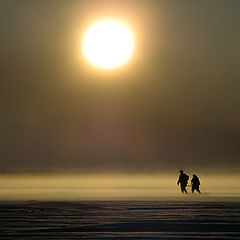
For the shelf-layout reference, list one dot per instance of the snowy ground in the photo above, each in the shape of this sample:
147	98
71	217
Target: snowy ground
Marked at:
120	220
117	206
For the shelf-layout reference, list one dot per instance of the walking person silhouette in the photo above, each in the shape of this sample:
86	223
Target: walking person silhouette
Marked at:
183	181
195	183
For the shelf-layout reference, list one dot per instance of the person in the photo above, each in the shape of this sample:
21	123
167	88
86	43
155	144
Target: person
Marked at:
183	180
195	183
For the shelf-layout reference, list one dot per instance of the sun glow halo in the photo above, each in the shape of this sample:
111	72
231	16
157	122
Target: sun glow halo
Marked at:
108	44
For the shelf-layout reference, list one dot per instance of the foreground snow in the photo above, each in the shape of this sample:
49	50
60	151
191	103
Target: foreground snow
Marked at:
120	220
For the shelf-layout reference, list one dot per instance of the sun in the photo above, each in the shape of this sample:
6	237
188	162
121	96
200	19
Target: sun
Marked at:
108	44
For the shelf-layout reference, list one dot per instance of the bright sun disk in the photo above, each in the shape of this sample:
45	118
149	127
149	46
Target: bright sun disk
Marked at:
108	44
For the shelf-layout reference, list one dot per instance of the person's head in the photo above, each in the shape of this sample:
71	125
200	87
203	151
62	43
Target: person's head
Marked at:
194	175
181	171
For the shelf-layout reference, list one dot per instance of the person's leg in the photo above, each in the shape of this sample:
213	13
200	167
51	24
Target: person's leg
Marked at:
184	188
198	190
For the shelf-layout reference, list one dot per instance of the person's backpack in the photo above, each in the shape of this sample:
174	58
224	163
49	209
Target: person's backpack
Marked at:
186	178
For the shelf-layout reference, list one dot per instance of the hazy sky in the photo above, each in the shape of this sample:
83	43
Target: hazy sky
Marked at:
175	105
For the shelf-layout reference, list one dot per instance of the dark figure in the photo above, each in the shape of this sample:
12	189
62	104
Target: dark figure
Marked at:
195	183
183	180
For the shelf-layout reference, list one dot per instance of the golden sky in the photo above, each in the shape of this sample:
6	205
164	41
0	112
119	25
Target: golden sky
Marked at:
175	105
